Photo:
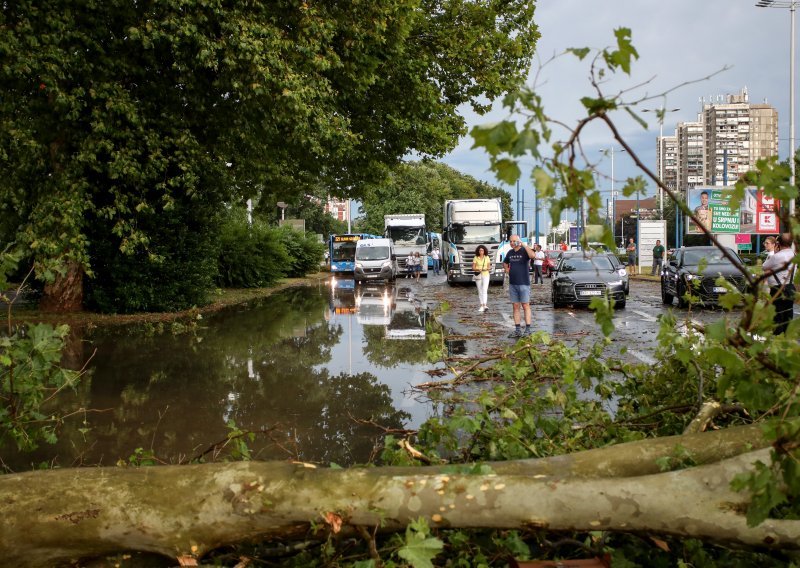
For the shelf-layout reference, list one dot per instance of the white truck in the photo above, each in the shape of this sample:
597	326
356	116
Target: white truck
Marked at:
467	224
409	235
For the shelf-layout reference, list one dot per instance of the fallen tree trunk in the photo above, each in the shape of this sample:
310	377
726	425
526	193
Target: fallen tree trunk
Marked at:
52	516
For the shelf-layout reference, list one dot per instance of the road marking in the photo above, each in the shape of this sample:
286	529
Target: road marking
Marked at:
645	316
643	357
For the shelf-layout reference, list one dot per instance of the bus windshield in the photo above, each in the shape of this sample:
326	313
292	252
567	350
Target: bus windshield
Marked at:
476	234
343	251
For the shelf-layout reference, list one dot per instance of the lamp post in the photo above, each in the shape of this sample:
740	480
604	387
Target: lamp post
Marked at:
792	5
610	152
661	113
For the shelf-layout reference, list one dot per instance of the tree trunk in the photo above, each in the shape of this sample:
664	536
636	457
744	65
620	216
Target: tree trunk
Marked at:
52	516
65	293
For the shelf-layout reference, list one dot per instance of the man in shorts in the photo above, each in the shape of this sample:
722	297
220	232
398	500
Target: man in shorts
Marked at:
517	266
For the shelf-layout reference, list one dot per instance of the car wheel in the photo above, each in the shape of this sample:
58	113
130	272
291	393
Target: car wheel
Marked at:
620	305
666	297
628	290
682	303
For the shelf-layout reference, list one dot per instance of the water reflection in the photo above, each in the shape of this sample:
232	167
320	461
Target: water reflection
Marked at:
301	365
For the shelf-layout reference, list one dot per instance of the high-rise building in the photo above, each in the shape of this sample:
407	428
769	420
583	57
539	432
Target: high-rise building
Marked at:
667	160
724	143
690	145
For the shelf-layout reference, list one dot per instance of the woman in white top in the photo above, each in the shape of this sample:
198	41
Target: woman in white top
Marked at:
780	275
481	265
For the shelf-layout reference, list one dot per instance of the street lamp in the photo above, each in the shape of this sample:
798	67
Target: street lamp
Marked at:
792	5
660	113
610	152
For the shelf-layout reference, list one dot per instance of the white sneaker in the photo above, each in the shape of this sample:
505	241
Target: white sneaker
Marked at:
481	309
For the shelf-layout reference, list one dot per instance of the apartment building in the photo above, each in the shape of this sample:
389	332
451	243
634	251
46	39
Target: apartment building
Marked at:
690	148
667	160
729	136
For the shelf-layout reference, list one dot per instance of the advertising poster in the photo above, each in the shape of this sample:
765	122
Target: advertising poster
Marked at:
757	213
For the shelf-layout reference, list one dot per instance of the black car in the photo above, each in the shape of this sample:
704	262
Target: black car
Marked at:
580	276
621	269
682	273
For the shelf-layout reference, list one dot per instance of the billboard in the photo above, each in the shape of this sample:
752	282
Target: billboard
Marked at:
757	213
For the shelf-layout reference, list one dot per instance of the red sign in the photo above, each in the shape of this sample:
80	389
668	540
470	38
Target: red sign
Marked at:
742	239
766	213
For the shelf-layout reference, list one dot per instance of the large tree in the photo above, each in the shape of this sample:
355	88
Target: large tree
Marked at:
115	113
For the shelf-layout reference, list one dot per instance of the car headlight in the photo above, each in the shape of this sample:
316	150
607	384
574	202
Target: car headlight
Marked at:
359	266
690	276
622	272
386	264
615	283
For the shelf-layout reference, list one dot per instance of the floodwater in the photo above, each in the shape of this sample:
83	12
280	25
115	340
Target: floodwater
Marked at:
319	372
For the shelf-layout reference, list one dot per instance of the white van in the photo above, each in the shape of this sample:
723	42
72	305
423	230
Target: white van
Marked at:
375	260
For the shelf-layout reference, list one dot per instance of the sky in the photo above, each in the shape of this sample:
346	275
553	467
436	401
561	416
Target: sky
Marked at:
684	49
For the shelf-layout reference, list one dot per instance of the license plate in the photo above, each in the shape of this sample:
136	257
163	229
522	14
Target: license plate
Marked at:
720	289
591	293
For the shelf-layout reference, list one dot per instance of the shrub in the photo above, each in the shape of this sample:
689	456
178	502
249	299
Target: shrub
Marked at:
305	252
175	272
250	256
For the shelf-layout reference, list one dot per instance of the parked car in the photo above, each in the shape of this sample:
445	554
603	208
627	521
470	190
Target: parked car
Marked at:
581	276
550	262
682	273
621	269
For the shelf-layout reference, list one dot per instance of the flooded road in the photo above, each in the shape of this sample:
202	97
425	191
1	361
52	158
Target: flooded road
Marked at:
321	373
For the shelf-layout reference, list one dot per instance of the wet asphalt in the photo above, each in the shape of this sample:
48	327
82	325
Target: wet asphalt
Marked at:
470	334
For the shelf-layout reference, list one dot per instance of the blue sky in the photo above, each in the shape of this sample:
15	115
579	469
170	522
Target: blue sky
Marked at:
683	47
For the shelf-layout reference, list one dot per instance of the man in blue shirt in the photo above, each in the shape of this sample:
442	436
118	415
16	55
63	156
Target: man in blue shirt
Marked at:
517	265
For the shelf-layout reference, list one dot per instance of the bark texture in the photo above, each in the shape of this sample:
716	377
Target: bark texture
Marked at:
47	517
65	293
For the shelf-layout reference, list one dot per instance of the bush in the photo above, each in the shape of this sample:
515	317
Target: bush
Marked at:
250	256
305	252
175	272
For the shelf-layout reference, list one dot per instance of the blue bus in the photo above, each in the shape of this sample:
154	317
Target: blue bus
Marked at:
342	251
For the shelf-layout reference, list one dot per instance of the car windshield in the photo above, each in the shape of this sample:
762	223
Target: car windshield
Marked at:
372	253
580	264
475	234
711	256
553	253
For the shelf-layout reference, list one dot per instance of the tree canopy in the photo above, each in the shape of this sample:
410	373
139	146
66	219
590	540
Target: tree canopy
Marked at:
118	113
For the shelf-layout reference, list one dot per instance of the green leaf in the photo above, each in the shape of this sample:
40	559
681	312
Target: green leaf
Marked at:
419	551
506	170
579	52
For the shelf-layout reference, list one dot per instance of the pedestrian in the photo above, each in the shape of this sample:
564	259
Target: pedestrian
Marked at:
769	244
436	260
658	258
417	265
516	264
410	265
563	246
481	265
631	250
538	263
780	275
